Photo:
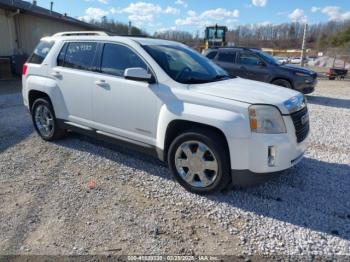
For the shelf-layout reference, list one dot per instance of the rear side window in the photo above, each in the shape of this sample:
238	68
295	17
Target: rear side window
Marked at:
78	55
40	52
62	54
116	58
228	57
211	55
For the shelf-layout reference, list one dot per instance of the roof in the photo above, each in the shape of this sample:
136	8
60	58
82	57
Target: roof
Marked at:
231	48
28	7
103	36
153	41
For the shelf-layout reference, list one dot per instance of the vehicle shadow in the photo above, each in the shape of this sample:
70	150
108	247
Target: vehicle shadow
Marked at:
314	194
329	101
15	122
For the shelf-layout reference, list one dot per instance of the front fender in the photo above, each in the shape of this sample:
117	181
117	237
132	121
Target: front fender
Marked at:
233	124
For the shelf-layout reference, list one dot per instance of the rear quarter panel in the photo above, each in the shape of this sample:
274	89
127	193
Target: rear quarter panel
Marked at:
49	87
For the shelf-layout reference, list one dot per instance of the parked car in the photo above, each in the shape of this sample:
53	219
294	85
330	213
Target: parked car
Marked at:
311	58
281	60
257	65
295	60
166	99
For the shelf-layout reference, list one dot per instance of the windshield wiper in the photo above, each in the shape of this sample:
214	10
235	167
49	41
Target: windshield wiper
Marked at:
220	77
193	80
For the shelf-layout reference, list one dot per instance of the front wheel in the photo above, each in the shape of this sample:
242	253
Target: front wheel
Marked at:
44	120
282	82
199	162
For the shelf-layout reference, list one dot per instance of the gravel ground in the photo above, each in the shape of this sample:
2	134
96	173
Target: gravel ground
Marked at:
47	207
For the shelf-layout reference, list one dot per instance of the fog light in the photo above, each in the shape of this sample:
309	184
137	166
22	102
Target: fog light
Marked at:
271	156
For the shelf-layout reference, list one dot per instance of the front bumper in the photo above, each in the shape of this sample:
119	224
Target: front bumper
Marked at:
251	155
245	178
305	86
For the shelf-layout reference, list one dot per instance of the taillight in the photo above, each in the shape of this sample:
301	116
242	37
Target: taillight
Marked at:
24	69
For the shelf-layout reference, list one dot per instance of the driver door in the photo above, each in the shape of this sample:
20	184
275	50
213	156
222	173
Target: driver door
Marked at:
252	67
123	107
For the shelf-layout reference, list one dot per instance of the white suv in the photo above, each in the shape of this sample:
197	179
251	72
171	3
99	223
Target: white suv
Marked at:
166	99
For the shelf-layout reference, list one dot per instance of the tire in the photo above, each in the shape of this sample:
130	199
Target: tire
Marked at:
48	130
283	83
200	181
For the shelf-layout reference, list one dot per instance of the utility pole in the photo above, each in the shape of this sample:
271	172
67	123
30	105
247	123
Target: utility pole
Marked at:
129	28
303	47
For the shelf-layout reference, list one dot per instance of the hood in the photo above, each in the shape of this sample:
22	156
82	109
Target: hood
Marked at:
296	68
247	91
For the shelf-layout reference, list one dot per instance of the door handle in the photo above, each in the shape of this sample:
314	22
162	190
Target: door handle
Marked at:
101	82
56	74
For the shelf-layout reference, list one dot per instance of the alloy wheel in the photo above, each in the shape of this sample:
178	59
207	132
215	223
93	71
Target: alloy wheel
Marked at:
44	120
196	164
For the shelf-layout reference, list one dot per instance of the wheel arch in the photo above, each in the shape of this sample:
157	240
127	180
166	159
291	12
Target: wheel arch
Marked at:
180	126
283	78
34	95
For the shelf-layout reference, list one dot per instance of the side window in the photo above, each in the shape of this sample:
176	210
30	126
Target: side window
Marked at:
40	52
248	59
228	57
212	55
80	55
61	55
116	58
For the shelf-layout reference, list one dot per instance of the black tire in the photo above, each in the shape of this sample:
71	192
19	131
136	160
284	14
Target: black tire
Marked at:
219	149
283	83
57	131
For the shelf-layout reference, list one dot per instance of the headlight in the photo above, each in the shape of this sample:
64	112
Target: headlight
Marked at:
302	74
266	119
295	103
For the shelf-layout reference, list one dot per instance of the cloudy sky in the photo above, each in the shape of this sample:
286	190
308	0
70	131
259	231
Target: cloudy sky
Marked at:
193	15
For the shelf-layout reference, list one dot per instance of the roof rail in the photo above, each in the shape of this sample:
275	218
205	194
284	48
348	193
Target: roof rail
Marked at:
242	47
81	33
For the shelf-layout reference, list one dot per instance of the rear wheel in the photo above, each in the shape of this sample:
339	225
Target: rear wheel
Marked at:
282	82
45	121
199	162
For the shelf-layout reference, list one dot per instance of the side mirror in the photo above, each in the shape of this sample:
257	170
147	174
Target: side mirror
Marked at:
138	74
261	63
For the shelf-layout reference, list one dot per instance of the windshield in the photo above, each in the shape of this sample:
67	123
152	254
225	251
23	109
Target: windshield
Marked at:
269	58
184	65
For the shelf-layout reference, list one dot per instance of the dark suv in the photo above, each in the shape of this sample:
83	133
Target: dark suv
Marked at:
256	65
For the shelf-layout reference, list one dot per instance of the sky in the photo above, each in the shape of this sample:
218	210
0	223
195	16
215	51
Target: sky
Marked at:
193	15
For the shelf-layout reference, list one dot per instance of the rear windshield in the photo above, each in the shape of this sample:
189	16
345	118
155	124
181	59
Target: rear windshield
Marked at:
40	52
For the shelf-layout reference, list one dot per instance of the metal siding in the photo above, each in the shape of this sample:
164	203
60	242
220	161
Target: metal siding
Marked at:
7	42
32	28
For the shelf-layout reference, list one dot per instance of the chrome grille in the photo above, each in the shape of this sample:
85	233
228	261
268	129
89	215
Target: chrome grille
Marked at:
301	128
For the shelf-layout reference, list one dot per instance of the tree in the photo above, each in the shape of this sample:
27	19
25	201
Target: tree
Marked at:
343	37
323	41
115	27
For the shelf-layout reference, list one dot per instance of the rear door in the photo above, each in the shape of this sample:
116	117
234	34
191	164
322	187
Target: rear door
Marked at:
251	66
227	60
74	77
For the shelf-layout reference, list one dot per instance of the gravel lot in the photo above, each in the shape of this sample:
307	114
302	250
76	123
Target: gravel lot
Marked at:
136	208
